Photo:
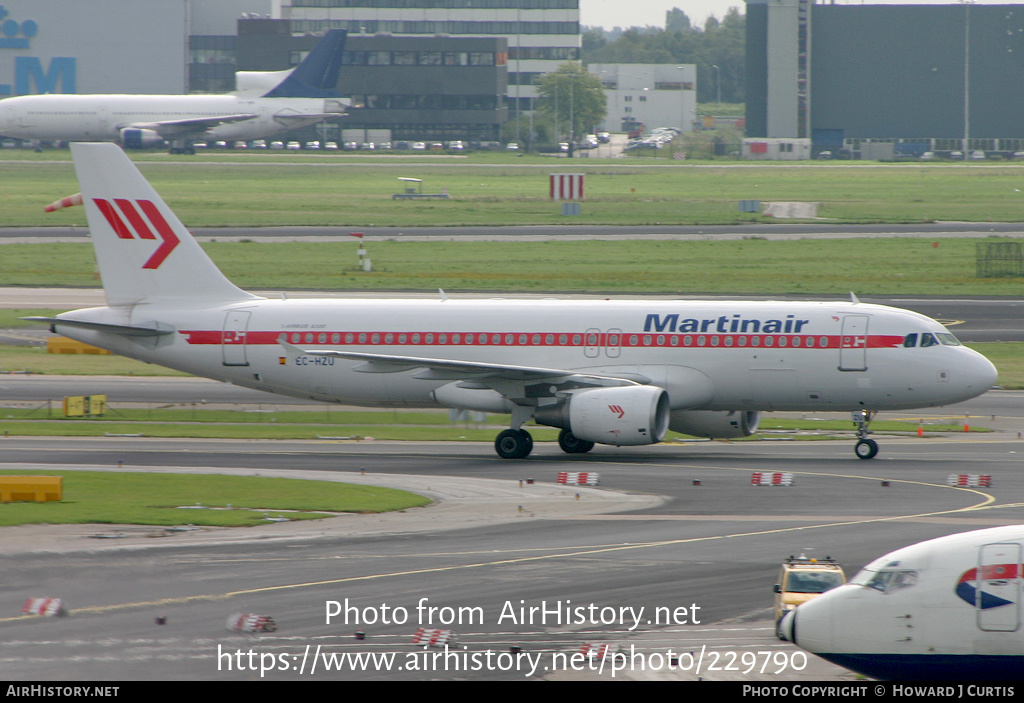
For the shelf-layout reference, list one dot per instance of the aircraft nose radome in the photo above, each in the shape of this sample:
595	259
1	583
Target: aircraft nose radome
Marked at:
981	374
810	625
786	625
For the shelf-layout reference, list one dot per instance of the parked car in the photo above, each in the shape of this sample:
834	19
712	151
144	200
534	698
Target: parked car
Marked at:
512	146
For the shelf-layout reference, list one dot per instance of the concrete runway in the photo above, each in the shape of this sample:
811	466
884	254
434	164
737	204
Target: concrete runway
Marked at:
704	558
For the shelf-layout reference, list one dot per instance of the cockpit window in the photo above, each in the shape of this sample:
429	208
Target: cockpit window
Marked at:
889	580
931	339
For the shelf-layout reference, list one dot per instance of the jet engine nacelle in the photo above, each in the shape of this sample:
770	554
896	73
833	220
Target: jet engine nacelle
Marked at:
624	416
715	424
135	138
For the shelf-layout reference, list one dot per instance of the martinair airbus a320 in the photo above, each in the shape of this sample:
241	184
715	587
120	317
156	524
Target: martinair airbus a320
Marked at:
609	372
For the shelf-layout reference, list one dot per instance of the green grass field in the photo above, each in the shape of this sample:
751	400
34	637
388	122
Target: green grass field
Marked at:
882	266
143	498
261	189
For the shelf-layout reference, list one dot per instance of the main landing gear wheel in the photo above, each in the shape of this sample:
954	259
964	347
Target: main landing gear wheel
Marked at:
866	449
571	444
513	444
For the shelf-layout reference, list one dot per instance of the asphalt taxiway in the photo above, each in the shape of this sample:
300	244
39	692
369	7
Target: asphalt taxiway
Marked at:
649	561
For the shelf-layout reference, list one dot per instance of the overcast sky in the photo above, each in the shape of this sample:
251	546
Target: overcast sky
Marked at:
619	13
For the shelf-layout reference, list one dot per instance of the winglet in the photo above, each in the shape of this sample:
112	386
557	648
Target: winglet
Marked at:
853	298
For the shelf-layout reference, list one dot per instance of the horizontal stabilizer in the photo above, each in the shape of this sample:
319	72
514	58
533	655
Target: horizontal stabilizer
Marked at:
123	330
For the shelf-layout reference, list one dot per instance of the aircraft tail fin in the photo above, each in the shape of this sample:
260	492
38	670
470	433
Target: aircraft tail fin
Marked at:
144	252
317	75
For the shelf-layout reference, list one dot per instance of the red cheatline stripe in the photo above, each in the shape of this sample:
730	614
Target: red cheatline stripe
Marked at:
541	339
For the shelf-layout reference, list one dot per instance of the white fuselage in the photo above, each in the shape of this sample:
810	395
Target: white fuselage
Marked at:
948	609
707	355
102	117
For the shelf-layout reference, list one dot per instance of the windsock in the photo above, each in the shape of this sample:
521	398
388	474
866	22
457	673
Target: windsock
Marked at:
69	201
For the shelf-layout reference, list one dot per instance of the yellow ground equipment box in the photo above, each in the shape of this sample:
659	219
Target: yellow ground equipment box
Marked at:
32	488
85	405
63	345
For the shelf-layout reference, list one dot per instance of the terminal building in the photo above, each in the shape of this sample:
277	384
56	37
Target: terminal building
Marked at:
938	78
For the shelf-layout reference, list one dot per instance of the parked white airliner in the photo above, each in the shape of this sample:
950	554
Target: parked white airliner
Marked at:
266	102
948	609
611	372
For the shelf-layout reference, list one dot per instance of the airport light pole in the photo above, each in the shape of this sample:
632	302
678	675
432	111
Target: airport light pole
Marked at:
967	76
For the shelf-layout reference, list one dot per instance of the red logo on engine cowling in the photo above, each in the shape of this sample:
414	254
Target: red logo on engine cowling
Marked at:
618	410
136	222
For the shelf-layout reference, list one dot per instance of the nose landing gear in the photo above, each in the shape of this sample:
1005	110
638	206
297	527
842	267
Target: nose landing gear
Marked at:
865	448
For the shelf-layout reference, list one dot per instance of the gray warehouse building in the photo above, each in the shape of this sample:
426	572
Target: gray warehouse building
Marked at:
433	88
932	75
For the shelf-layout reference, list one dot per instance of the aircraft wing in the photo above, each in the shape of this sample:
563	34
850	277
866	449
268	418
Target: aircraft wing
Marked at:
175	128
473	374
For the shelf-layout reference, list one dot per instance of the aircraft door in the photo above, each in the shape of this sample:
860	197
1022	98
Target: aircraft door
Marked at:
853	344
998	587
613	343
236	323
592	343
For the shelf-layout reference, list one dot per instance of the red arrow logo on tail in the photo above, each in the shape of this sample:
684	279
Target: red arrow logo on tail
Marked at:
138	224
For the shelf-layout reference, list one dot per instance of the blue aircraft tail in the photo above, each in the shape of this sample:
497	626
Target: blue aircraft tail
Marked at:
317	75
